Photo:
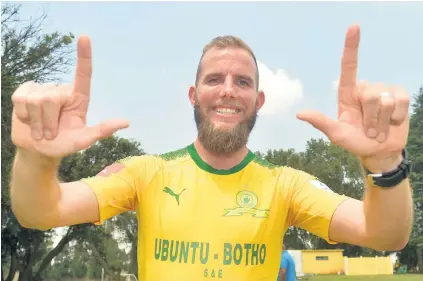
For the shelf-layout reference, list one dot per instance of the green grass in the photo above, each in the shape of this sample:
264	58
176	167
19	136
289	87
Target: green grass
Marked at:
401	277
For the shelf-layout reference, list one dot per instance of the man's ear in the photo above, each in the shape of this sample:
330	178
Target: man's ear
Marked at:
191	94
260	100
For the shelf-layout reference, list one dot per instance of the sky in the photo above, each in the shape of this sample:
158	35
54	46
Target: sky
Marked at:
145	56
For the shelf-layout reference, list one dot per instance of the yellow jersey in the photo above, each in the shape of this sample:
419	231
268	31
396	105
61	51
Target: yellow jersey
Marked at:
199	223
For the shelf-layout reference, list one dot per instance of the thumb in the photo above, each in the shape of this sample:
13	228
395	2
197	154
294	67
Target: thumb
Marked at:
91	135
319	121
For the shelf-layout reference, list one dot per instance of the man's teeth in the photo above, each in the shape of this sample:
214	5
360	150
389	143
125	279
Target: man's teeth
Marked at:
226	111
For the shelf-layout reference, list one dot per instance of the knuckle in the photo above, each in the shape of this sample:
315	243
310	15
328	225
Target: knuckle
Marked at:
33	101
387	104
403	100
49	100
369	98
18	99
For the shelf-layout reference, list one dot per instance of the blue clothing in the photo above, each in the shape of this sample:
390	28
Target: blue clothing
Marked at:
288	263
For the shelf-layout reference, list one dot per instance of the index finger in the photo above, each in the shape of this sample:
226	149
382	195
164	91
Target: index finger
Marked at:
83	66
349	63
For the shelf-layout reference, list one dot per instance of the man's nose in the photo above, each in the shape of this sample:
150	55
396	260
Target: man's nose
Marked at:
228	87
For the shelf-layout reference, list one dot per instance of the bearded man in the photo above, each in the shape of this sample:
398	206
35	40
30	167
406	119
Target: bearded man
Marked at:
212	209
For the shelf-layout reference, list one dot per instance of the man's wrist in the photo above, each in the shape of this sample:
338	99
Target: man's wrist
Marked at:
35	159
380	165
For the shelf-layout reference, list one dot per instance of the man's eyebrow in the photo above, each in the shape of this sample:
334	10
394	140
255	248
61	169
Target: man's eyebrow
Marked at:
212	74
246	77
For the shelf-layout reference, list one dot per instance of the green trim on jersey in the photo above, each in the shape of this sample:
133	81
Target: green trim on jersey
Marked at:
172	155
206	167
265	163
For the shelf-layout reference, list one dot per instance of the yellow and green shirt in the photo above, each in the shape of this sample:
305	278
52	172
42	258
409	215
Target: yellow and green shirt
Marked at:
199	223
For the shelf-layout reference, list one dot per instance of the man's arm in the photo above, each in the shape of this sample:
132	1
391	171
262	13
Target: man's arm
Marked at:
382	221
39	201
282	274
282	268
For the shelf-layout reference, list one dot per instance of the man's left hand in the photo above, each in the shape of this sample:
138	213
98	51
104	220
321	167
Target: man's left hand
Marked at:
373	120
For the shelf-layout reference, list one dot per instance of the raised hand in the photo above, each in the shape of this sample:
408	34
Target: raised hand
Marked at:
372	120
51	120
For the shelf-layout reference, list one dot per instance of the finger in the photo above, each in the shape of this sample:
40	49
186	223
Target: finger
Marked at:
33	106
402	104
83	67
51	106
386	108
65	93
19	100
91	135
321	122
349	61
369	100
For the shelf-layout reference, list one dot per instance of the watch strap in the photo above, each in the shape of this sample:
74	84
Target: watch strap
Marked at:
394	177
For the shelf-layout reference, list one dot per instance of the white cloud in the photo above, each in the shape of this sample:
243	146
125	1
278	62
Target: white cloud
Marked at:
281	90
335	85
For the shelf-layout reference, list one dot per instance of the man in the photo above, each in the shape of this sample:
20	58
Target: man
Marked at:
212	209
287	268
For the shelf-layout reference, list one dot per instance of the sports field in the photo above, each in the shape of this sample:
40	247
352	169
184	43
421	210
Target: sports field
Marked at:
402	277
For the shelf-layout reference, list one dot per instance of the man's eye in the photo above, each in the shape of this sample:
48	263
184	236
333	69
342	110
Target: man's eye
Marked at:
244	83
213	80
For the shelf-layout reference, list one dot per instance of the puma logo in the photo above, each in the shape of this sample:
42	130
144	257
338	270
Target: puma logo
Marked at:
172	193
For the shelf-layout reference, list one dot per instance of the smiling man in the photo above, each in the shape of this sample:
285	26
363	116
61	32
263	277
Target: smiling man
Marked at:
213	210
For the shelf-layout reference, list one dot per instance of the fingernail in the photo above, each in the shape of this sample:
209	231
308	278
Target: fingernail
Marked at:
381	137
48	134
36	134
371	133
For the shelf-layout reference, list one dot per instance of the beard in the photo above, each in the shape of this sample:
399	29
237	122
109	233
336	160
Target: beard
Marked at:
222	141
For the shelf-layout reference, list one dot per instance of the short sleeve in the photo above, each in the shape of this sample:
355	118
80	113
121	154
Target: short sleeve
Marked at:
312	205
117	186
284	262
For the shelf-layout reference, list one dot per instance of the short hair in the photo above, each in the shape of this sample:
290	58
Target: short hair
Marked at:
222	42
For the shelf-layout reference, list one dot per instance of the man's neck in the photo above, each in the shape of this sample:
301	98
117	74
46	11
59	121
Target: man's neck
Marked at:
220	162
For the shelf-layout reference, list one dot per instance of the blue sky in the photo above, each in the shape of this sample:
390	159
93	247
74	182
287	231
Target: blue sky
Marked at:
145	56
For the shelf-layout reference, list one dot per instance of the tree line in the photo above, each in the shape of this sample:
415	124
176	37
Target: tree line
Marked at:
83	251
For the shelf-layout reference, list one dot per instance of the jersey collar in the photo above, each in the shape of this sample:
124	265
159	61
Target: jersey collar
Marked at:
206	167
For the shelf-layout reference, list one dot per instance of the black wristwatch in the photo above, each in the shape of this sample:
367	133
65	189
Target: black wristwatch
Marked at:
392	178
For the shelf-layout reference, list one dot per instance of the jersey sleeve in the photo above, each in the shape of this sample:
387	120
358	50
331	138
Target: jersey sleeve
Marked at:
117	186
312	205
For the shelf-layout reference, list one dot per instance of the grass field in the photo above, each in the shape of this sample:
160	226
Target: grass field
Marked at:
402	277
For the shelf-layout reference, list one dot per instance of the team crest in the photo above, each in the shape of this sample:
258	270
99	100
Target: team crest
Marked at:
247	202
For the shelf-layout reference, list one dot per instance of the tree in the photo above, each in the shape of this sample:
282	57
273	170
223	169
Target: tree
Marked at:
27	54
412	255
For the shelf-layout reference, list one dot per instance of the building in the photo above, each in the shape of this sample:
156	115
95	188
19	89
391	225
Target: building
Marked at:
323	261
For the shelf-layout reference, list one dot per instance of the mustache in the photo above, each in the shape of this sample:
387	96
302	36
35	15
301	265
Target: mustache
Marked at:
226	102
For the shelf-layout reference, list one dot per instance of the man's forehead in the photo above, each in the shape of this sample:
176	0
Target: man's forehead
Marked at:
234	58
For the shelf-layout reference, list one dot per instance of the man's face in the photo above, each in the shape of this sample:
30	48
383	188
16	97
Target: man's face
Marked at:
226	100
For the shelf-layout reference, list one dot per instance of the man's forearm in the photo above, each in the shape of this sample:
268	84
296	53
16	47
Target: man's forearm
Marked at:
388	213
35	190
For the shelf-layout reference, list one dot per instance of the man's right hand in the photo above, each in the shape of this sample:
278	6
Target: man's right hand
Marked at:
50	120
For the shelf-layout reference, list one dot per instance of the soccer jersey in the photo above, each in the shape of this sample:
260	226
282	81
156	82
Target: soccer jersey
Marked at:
199	223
